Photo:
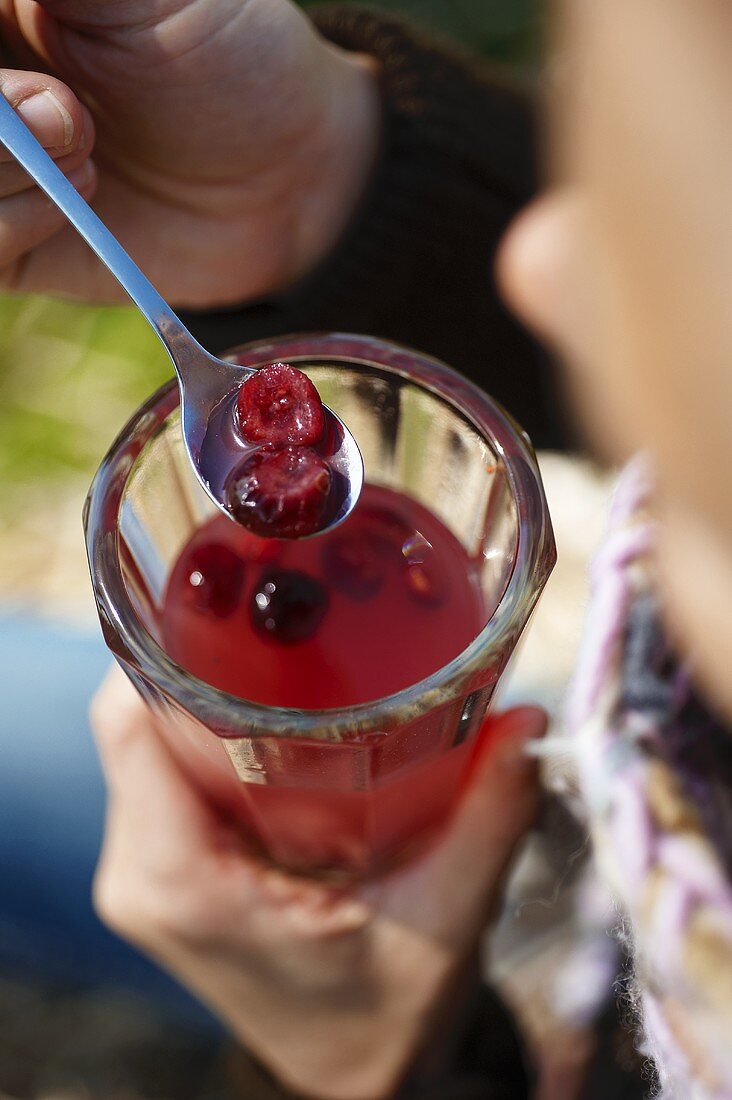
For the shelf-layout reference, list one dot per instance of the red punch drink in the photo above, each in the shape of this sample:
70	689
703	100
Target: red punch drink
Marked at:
358	613
327	693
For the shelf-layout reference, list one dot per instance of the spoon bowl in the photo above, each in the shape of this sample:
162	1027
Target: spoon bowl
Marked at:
209	389
208	385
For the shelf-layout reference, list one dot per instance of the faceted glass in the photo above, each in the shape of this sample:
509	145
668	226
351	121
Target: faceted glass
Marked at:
343	791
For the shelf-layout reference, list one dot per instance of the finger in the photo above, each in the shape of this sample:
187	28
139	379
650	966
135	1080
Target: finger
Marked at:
15	51
50	109
30	218
150	800
502	799
31	34
14	180
503	785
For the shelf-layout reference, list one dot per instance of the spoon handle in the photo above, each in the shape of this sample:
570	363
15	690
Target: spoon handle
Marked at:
18	139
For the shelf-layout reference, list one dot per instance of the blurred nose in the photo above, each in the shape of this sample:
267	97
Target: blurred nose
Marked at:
542	275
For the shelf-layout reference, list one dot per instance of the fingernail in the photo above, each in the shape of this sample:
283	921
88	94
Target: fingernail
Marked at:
82	176
48	119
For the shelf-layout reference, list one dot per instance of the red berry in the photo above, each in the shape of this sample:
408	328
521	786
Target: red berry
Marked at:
215	579
280	404
281	492
287	605
356	562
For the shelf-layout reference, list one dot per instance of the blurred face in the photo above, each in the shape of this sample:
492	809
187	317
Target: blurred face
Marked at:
627	270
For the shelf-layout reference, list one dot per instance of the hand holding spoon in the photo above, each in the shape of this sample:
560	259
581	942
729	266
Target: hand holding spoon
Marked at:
208	386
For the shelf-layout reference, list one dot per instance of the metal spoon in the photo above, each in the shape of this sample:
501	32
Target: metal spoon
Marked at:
205	382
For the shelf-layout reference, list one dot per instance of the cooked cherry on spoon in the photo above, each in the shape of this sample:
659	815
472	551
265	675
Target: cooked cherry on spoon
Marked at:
284	489
280	404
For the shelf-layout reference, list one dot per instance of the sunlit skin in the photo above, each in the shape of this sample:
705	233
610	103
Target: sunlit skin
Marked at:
627	271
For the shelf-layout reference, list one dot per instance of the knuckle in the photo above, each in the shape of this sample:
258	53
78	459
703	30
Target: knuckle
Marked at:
168	919
177	911
134	911
151	913
115	902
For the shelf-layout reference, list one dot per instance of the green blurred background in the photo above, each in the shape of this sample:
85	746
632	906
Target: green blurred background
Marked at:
70	375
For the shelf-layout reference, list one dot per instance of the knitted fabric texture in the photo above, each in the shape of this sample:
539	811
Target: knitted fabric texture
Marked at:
655	769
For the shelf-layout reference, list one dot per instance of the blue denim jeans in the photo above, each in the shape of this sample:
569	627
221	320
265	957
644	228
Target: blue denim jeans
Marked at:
51	820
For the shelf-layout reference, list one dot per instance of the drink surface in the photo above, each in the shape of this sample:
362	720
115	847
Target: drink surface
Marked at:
360	612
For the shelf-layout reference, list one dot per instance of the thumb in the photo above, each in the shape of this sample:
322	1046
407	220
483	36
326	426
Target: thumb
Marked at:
496	812
50	109
151	804
502	798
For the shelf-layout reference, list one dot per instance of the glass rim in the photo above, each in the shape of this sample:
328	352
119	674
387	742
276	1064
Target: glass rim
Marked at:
230	716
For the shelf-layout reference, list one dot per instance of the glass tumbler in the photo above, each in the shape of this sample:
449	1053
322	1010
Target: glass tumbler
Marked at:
347	791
